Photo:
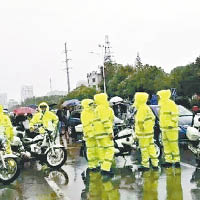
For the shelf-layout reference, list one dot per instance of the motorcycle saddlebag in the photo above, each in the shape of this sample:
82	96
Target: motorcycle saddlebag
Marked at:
192	134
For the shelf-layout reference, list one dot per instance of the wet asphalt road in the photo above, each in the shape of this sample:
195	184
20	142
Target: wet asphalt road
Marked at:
74	182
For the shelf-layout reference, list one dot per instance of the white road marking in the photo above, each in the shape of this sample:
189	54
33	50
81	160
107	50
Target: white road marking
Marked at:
188	165
53	185
56	189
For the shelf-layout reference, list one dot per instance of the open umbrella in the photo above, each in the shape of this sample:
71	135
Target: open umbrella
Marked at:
116	99
24	110
32	106
71	102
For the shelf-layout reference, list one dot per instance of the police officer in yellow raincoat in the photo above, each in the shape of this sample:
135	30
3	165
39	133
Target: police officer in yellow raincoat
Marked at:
6	129
44	117
169	127
87	118
103	124
144	129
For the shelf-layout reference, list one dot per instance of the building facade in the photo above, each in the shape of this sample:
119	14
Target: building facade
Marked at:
12	103
26	92
3	100
94	78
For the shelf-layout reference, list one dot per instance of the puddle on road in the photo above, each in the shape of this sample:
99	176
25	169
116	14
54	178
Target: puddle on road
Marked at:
129	184
76	182
31	185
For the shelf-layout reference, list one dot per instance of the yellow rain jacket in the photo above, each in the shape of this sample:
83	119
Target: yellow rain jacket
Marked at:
104	116
168	111
144	118
6	127
48	119
87	117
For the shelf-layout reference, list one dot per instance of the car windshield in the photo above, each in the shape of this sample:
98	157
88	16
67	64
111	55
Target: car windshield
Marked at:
75	114
185	115
184	111
155	109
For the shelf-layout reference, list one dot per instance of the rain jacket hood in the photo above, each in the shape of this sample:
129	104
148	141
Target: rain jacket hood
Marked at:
101	99
140	98
43	104
164	96
86	103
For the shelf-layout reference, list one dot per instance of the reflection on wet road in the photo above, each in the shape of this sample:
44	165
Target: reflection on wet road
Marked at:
75	182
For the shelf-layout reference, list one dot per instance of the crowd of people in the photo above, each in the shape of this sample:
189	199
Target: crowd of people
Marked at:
43	117
97	119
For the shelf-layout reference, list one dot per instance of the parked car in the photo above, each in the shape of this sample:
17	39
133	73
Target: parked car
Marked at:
185	120
74	120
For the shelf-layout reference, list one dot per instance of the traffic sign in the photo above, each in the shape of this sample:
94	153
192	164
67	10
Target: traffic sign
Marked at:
173	91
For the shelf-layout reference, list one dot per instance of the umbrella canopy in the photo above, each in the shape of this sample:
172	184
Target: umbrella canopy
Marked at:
24	110
32	106
71	102
116	99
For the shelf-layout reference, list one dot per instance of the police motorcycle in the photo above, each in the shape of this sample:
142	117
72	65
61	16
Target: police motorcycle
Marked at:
125	140
42	147
193	135
9	164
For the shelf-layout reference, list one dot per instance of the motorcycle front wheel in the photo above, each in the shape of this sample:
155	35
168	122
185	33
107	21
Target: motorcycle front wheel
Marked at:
158	151
11	172
57	158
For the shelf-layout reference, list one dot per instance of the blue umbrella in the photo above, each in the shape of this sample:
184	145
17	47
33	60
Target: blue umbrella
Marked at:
71	102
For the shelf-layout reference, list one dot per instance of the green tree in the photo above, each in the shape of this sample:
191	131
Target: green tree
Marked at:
187	79
150	79
36	100
80	93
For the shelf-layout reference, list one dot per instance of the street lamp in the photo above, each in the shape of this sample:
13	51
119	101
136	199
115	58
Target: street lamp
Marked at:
104	79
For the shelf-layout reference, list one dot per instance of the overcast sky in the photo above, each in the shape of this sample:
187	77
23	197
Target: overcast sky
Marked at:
166	33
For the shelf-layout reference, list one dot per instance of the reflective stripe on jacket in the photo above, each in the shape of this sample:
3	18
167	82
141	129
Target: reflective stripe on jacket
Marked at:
146	117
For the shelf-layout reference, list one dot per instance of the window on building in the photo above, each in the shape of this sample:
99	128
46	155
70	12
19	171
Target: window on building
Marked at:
93	80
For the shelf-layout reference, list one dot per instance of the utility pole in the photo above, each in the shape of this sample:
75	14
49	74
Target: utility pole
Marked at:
50	85
106	56
67	67
103	67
